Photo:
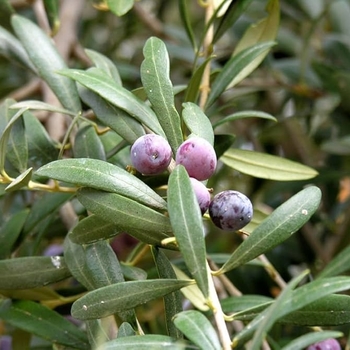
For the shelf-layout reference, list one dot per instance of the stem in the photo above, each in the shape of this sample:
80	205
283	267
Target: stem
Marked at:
207	51
215	306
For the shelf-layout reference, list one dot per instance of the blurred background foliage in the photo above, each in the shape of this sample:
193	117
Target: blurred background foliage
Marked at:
304	82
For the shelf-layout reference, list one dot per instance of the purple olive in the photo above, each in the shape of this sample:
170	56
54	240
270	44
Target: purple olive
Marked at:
202	194
198	157
230	210
327	344
150	154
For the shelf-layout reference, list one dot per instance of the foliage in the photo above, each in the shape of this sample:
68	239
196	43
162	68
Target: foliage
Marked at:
94	254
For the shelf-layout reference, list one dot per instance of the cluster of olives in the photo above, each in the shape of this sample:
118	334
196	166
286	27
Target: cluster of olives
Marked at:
151	155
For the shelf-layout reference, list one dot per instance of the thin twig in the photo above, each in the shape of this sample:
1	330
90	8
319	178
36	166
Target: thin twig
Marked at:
207	51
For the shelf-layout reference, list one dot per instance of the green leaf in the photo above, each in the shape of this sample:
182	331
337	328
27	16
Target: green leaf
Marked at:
172	301
120	7
193	88
104	269
10	231
277	227
92	229
45	205
197	328
41	148
305	340
20	181
331	310
123	296
103	264
17	147
104	176
31	272
234	67
6	139
133	273
143	342
244	302
104	63
75	258
273	312
97	332
266	166
41	106
159	89
234	11
87	143
52	12
186	20
47	61
339	264
222	142
118	120
45	323
263	31
101	83
138	220
186	221
192	292
125	330
12	49
197	122
244	114
301	297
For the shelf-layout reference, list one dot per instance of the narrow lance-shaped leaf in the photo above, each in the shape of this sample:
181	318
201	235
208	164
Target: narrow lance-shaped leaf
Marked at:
105	64
193	87
101	83
159	89
87	144
75	258
266	166
272	313
12	49
331	310
234	11
197	122
120	7
185	17
41	106
47	61
92	229
305	340
172	301
186	221
52	12
301	297
10	230
277	227
104	176
143	342
31	272
244	114
45	323
20	181
138	220
118	120
339	264
233	68
123	296
198	329
5	136
263	31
